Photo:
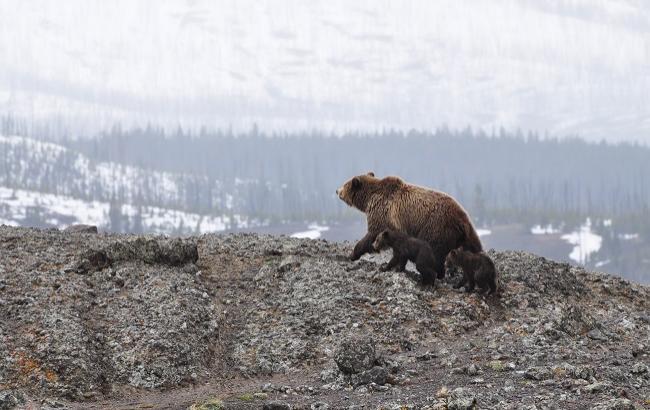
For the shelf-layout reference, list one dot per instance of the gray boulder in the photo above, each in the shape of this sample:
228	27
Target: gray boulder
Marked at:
10	399
461	399
276	405
375	375
355	354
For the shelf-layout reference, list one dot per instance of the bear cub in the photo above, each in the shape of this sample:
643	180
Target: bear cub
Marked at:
478	269
406	248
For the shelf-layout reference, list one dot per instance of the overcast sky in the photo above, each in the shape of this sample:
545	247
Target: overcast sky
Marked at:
565	67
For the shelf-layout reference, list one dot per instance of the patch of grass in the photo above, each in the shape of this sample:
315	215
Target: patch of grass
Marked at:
497	365
210	404
246	397
559	372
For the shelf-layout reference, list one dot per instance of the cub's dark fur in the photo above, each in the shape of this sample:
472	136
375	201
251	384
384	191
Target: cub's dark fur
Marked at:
406	248
478	269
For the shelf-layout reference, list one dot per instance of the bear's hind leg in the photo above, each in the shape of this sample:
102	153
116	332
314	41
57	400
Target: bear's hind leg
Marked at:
493	286
402	264
462	281
439	266
394	261
470	284
428	275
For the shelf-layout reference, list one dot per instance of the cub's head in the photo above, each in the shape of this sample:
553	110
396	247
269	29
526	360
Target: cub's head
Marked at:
356	192
382	241
453	258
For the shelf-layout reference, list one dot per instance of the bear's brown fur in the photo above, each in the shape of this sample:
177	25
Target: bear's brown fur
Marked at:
478	269
423	213
406	248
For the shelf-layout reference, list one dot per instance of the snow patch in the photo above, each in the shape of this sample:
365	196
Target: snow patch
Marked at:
8	222
543	230
585	243
314	232
483	232
602	263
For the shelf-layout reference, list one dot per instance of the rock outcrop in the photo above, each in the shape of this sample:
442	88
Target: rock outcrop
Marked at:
96	317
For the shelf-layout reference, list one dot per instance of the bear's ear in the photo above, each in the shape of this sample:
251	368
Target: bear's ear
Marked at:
372	174
356	183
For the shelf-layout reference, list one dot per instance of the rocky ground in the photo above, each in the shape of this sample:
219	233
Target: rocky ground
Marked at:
244	321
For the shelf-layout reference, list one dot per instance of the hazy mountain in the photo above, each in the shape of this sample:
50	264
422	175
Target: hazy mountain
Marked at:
566	66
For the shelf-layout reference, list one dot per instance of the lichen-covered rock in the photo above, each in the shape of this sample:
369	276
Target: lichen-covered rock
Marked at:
538	373
81	228
92	260
616	404
159	314
10	399
355	355
123	322
288	263
173	252
276	405
575	322
377	375
640	368
461	399
178	252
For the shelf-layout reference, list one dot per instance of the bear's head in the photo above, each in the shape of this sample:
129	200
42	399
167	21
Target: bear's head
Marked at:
356	191
453	258
382	241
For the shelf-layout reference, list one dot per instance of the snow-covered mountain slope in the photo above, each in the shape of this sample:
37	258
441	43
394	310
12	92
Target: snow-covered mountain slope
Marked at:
46	184
51	168
566	66
30	208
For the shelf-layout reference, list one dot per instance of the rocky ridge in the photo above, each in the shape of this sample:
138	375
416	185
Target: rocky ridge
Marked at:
249	321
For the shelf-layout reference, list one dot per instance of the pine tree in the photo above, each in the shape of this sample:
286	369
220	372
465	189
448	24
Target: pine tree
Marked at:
115	217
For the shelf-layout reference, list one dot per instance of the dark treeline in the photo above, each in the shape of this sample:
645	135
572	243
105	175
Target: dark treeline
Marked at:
499	178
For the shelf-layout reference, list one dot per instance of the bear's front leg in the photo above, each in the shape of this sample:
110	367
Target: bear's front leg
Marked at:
462	281
394	261
469	288
363	246
402	264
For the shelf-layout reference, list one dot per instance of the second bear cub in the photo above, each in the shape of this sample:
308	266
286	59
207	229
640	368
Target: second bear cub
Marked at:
478	269
406	248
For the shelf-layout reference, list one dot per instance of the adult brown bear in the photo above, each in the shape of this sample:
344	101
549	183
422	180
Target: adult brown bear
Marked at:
391	203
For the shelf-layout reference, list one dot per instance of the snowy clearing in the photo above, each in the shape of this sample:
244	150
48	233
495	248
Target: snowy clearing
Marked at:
314	232
20	208
585	243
